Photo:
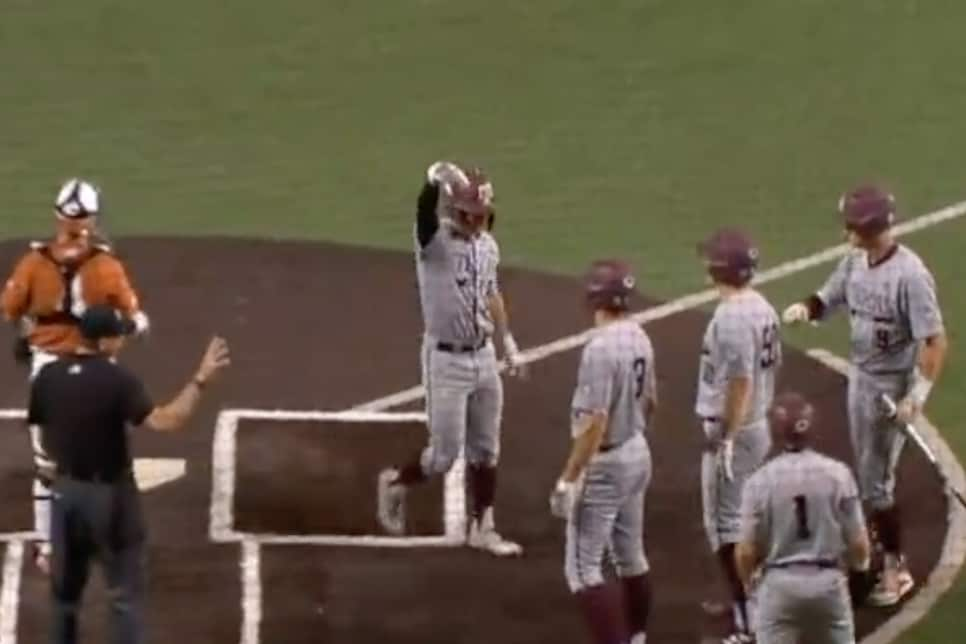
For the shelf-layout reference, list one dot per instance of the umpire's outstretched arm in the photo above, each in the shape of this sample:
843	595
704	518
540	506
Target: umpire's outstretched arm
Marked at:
173	415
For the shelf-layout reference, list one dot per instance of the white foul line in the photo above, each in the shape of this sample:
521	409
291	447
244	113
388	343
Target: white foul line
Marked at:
10	592
687	302
251	574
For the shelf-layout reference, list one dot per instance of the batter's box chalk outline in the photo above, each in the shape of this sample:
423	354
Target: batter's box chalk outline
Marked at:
25	535
224	481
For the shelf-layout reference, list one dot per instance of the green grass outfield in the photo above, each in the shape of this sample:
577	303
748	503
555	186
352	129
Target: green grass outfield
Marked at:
613	127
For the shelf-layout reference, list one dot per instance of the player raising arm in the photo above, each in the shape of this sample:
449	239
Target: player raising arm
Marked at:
898	346
456	267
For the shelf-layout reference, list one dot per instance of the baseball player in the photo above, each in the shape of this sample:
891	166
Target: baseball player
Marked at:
51	287
462	307
602	487
898	346
801	520
740	356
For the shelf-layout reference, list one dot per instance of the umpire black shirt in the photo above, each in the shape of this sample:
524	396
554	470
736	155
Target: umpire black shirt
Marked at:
84	404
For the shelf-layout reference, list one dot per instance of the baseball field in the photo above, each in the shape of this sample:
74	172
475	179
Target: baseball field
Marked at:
260	164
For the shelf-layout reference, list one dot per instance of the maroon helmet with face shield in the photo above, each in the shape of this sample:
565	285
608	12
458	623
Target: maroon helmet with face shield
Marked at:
868	210
471	201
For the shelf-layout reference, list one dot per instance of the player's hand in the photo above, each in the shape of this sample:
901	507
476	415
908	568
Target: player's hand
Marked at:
216	358
907	410
796	313
514	361
445	173
726	456
562	499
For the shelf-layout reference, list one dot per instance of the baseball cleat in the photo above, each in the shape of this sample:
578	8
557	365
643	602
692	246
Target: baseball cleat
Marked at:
391	503
483	536
892	587
491	541
739	638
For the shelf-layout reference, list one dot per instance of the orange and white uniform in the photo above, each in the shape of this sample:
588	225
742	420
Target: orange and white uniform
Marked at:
51	287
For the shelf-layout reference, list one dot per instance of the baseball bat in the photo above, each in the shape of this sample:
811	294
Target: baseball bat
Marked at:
910	431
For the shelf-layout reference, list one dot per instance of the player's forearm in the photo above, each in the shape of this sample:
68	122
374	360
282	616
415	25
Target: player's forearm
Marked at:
427	220
583	449
499	314
932	356
737	399
746	561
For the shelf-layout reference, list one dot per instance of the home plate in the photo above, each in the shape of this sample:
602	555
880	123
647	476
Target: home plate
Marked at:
155	472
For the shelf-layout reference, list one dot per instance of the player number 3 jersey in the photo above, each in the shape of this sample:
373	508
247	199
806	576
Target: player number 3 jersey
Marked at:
617	375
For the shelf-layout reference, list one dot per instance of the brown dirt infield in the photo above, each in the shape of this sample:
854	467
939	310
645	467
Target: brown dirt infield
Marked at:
317	326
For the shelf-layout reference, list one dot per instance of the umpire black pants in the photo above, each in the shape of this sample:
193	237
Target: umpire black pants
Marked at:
104	521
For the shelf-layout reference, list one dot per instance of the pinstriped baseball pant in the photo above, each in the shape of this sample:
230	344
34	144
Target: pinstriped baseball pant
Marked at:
804	605
608	516
876	442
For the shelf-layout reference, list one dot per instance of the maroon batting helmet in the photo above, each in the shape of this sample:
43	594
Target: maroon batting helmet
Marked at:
731	255
791	416
472	201
609	284
868	210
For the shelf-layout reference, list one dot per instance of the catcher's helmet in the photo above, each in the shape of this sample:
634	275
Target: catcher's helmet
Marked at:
731	256
77	199
867	210
791	416
608	285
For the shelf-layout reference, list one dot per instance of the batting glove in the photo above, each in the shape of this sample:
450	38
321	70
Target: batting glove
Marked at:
562	499
726	455
796	313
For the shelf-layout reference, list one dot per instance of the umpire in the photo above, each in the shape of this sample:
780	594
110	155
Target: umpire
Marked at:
84	404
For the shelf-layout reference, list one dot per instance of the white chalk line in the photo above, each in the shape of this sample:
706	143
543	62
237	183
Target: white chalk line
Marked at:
251	577
224	482
686	302
953	554
10	591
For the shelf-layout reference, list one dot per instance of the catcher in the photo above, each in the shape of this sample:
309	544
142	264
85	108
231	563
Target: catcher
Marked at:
51	287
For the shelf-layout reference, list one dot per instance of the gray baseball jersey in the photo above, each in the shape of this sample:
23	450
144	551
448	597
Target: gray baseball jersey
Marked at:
801	510
801	507
464	392
742	340
616	374
892	307
456	276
